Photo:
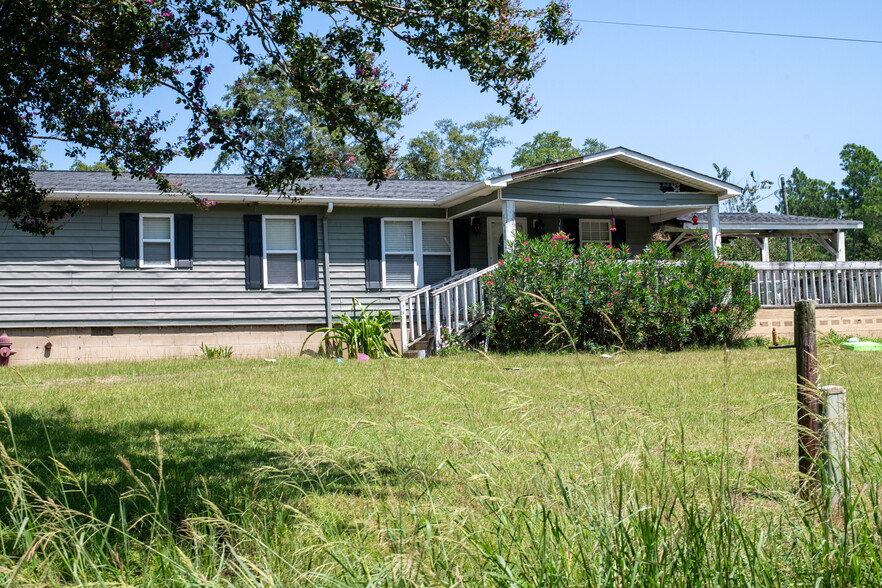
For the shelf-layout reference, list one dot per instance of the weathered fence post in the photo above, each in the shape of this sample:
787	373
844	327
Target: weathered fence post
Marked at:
807	398
835	437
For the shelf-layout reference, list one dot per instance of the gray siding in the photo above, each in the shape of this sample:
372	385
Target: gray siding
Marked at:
73	278
610	183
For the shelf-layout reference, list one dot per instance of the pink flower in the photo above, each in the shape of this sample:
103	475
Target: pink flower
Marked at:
714	309
609	304
534	314
639	308
609	246
526	259
638	273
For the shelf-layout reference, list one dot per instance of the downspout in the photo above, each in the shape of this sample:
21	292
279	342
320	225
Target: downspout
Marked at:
328	311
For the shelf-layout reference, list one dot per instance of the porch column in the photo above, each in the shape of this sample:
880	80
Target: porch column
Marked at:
766	255
713	228
840	246
509	226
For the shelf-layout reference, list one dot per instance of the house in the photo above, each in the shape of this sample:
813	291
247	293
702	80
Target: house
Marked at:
142	274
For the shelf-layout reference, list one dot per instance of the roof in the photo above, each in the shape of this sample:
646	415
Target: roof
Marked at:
767	221
102	185
675	172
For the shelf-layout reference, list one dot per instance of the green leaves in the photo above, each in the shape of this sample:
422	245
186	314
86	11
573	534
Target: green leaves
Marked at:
73	72
369	332
551	147
549	297
455	152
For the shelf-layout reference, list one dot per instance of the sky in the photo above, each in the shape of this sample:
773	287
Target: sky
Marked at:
690	98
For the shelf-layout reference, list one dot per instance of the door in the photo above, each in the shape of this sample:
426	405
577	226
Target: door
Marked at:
494	237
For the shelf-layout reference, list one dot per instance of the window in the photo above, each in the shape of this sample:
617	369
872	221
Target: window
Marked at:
594	231
416	252
437	250
281	254
157	244
150	240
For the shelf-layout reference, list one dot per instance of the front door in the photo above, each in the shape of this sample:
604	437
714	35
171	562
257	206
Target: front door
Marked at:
494	237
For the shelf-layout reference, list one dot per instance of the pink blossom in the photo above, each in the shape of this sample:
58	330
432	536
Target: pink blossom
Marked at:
714	309
526	259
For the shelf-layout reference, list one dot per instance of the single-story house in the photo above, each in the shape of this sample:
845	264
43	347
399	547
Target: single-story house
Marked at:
143	274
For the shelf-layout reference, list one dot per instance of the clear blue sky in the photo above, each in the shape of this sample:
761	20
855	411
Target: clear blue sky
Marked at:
691	98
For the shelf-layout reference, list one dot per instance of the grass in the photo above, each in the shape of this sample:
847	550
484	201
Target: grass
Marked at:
645	469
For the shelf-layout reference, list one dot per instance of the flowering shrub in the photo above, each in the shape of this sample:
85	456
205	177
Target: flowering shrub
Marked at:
547	295
452	342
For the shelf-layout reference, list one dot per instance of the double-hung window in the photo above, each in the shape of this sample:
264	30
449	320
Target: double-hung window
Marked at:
157	242
416	252
594	231
281	251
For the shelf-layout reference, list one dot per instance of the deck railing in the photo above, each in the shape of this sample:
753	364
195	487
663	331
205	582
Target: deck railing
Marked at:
827	282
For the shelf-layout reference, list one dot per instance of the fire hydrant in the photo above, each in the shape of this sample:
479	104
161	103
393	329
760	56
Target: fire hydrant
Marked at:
6	350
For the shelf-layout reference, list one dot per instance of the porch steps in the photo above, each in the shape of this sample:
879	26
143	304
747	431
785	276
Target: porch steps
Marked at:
425	343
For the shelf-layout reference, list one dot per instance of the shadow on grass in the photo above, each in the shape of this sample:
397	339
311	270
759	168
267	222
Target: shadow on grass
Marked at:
196	464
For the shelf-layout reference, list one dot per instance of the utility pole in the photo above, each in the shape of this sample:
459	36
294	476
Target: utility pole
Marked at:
786	211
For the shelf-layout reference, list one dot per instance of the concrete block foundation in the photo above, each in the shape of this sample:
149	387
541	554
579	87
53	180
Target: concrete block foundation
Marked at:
864	320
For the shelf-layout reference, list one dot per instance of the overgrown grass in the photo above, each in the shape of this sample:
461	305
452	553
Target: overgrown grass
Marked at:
645	469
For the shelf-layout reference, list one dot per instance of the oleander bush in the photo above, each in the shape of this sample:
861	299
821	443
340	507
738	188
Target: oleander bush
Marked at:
547	295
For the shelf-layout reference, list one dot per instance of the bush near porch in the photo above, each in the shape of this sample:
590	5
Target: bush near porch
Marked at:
548	295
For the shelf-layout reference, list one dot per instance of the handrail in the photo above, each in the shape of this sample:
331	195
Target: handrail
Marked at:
468	278
415	293
780	284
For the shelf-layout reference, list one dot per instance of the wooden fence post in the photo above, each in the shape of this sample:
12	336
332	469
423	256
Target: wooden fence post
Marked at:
807	397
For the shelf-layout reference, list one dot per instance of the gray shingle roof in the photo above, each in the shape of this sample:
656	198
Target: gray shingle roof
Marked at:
758	219
213	184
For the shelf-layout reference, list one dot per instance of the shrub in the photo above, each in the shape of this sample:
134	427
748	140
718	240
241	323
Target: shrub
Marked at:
366	331
547	295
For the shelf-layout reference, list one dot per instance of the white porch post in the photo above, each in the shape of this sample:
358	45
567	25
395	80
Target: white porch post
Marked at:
509	226
840	246
713	228
766	255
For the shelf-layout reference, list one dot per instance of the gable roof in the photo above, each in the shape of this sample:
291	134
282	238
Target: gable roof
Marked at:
676	173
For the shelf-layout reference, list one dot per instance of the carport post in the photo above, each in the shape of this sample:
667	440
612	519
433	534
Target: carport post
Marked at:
509	226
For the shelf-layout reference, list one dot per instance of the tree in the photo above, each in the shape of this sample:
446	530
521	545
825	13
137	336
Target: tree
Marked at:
282	122
551	147
810	197
749	197
455	152
73	70
862	199
78	165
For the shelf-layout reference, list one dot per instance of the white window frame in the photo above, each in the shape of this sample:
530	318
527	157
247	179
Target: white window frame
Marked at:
583	241
416	252
434	253
170	240
266	283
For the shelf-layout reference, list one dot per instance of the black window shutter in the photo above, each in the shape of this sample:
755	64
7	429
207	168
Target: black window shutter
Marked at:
253	252
372	251
184	241
619	237
462	235
570	226
309	250
129	240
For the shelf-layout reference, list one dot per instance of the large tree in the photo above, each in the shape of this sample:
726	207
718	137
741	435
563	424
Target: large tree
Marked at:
549	147
810	197
455	152
74	71
281	122
750	192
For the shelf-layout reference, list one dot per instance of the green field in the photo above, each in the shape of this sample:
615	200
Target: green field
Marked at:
645	469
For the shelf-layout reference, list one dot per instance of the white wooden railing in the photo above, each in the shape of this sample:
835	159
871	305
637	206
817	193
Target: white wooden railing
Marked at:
421	310
827	282
461	304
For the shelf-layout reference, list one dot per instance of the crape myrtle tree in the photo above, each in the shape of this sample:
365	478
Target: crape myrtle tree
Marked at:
73	71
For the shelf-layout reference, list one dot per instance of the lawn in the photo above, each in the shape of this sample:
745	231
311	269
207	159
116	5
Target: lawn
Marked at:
641	469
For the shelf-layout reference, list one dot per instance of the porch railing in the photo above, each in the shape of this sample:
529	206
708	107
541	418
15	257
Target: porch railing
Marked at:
460	304
456	303
827	282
